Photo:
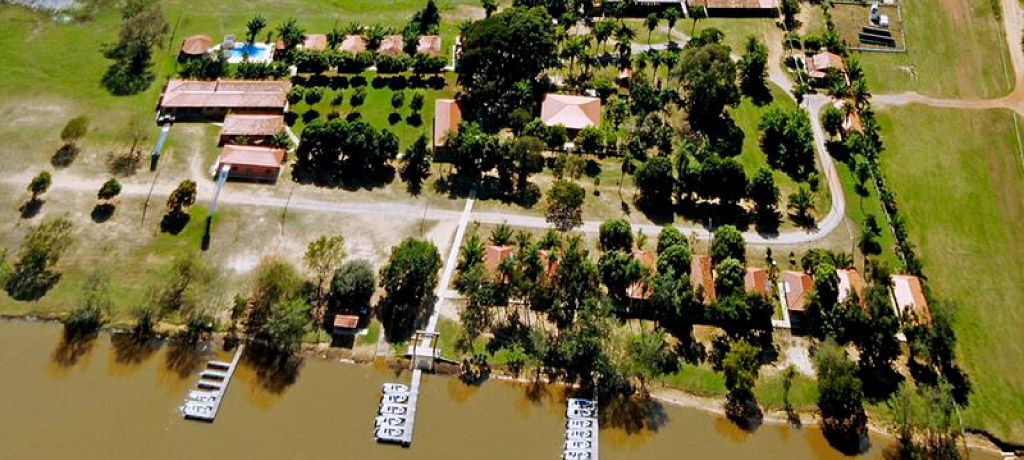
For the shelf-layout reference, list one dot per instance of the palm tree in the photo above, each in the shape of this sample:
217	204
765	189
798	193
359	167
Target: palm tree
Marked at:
602	31
801	202
652	23
624	39
572	50
671	16
254	26
334	38
860	92
490	6
655	56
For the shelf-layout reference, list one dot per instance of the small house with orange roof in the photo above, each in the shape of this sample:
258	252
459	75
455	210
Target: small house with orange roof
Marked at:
573	112
195	46
819	64
756	281
550	264
257	129
447	116
391	45
908	299
353	44
796	288
314	42
850	283
702	276
429	45
494	256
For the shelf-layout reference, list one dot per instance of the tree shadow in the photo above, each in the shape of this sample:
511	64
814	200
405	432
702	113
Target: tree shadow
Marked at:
394	118
174	222
131	348
349	179
31	283
767	223
805	221
185	356
632	413
102	212
879	384
742	409
64	156
72	348
275	371
758	92
30	208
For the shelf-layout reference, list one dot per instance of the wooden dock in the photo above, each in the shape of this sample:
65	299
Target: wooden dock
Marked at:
204	405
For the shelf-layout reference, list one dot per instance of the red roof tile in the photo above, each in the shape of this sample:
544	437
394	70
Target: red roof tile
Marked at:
796	286
702	276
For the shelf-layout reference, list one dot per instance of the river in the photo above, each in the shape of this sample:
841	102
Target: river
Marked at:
107	401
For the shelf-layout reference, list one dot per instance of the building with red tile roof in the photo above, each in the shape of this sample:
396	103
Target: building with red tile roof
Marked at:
250	129
195	46
447	116
573	112
702	276
251	162
494	256
819	64
756	282
908	299
850	283
215	99
392	44
353	44
429	45
314	42
796	287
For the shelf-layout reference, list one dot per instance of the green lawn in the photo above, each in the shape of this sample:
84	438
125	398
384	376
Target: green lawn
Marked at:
859	207
736	30
957	176
955	48
747	116
377	108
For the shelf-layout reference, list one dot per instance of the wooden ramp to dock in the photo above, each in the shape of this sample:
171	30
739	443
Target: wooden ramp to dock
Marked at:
204	405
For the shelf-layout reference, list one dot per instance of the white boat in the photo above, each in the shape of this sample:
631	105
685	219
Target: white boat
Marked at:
579	435
202	396
393	409
394	399
390	433
576	455
580	403
578	424
577	445
389	421
574	413
389	388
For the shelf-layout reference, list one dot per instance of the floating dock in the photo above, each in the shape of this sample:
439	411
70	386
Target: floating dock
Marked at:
203	405
581	430
397	428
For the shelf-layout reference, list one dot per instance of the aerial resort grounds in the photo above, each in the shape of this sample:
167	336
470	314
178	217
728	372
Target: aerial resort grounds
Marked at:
527	229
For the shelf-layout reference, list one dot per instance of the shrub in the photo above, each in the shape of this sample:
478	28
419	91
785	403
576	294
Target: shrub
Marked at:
417	101
296	94
314	95
414	119
357	81
398	100
310	115
358	97
392	64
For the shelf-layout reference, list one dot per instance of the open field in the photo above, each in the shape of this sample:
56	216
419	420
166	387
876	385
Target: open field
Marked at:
954	49
850	18
957	176
736	30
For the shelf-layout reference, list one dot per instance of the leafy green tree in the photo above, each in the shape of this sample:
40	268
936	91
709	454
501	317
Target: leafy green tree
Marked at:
565	204
728	243
255	25
648	357
840	397
142	27
764	192
183	287
787	140
616	234
94	304
314	96
753	67
675	258
729	275
577	282
707	76
616	273
670	236
490	6
927	421
408	279
655	182
740	366
499	52
417	164
352	287
358	97
110	189
801	202
75	129
876	336
290	33
286	326
32	274
790	8
417	101
323	257
590	140
580	349
832	120
397	100
40	184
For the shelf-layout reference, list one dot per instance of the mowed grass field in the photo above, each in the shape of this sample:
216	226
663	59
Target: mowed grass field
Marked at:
958	178
955	48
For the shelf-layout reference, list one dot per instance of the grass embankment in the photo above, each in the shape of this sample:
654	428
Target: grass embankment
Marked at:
957	176
703	381
955	48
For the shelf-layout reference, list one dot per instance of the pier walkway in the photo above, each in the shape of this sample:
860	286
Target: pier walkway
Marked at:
204	403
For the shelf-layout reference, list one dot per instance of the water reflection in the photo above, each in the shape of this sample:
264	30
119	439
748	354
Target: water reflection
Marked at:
130	350
70	350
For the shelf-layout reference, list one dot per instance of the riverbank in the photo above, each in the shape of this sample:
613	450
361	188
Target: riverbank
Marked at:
664	395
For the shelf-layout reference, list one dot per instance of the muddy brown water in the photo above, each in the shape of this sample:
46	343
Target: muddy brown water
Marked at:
109	401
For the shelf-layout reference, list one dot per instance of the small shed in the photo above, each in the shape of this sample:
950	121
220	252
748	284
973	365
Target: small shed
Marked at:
391	45
353	44
195	46
819	64
703	277
250	162
429	45
494	256
850	282
314	42
346	324
756	282
447	116
796	287
573	112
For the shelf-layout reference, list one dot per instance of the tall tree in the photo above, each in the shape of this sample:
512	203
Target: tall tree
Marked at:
616	234
75	129
408	279
655	182
728	243
565	204
707	77
740	366
40	184
840	397
255	25
32	274
764	192
142	27
323	257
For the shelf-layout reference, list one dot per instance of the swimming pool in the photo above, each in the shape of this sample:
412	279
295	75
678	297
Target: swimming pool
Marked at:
256	52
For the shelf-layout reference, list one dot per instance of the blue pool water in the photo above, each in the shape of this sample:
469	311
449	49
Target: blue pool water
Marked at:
256	53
